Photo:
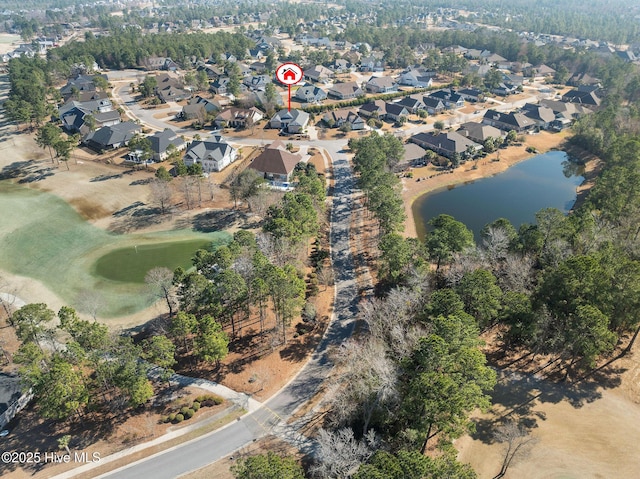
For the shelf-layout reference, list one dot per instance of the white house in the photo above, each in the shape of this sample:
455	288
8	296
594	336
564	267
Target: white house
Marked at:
214	154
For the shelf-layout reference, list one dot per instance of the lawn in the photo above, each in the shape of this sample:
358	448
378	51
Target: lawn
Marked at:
44	238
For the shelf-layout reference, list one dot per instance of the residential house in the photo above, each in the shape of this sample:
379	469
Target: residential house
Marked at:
540	72
583	97
508	121
344	116
381	85
318	73
85	96
170	89
220	86
159	63
171	93
161	142
80	83
373	109
194	111
294	121
310	94
471	94
480	132
371	63
447	144
112	137
75	115
276	163
210	106
260	98
449	98
214	154
258	67
256	83
542	115
342	65
414	155
412	103
212	71
238	117
626	55
433	105
570	111
394	112
345	91
504	89
583	79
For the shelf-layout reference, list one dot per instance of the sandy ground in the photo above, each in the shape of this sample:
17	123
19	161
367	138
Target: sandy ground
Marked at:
9	42
585	430
413	188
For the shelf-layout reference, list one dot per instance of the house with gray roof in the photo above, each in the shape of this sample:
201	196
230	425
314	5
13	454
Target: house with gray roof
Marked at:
450	98
318	73
214	154
345	91
238	117
112	137
412	103
310	94
508	121
294	121
446	144
542	115
583	97
344	116
480	132
381	85
161	142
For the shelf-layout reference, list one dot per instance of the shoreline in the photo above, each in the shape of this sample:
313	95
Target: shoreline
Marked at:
412	189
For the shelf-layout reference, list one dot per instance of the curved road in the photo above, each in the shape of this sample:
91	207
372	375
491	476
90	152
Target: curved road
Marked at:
218	444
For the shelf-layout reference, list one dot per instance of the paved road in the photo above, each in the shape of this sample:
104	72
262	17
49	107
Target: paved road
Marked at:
207	449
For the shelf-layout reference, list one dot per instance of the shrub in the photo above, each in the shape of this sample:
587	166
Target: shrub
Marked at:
179	418
188	414
172	417
195	406
210	400
184	410
309	312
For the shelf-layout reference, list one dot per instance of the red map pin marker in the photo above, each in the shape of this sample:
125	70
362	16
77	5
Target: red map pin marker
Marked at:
289	74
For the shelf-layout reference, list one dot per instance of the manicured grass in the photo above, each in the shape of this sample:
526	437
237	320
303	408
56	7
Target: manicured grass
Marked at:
44	238
131	264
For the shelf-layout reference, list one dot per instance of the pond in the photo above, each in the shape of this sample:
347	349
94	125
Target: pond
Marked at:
546	180
131	264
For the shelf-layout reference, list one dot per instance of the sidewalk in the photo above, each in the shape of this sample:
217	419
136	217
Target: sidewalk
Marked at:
241	401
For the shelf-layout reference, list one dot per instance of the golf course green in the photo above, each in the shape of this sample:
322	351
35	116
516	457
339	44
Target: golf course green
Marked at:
43	237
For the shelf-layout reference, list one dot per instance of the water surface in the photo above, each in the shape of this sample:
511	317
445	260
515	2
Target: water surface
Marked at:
546	180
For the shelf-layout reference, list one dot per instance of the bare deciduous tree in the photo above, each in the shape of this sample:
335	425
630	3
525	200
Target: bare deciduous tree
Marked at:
160	282
368	379
392	320
517	443
161	194
326	276
340	454
90	301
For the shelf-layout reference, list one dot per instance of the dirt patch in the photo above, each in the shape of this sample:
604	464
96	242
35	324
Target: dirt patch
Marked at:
88	209
585	429
102	434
